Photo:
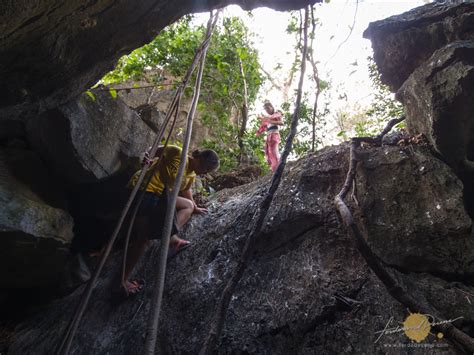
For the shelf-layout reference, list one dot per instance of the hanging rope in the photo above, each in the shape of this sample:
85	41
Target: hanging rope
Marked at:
150	175
141	195
260	215
157	166
71	329
153	321
393	288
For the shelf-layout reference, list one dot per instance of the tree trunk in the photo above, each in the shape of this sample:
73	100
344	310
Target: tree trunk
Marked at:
245	112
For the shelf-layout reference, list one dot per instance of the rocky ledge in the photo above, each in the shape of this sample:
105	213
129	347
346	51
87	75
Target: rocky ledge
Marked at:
52	51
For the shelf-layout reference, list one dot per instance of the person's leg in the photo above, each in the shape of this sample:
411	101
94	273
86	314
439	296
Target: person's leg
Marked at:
141	233
274	155
184	210
267	151
276	161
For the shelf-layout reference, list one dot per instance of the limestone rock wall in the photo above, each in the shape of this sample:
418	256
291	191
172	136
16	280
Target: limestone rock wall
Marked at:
403	42
426	54
439	103
88	138
152	103
49	183
35	226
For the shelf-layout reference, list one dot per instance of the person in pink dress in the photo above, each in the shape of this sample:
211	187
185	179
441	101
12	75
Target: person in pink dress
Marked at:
270	123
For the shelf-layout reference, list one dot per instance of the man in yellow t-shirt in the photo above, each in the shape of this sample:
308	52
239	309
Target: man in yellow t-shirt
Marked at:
151	213
166	172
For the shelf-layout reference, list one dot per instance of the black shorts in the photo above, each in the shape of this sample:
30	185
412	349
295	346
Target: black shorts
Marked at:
154	207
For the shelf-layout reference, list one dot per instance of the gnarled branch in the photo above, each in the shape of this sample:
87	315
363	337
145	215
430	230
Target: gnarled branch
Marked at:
393	288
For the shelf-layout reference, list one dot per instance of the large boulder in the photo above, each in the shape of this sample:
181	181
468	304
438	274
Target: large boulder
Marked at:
306	289
152	105
413	207
439	102
91	137
426	54
403	42
35	229
51	51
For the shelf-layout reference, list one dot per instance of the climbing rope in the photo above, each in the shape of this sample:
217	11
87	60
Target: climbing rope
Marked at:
260	215
70	331
150	173
153	167
392	286
153	321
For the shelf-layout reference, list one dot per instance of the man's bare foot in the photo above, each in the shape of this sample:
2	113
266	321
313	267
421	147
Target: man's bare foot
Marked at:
177	243
133	287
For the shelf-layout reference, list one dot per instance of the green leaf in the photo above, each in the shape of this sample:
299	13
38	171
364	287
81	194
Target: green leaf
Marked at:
91	95
113	93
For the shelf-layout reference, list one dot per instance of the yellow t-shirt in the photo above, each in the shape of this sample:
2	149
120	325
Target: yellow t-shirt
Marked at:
166	172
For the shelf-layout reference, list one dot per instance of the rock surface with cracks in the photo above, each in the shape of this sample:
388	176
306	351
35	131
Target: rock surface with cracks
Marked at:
426	54
439	103
403	42
307	290
36	229
90	138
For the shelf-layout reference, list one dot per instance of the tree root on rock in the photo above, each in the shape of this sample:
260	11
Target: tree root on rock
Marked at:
393	288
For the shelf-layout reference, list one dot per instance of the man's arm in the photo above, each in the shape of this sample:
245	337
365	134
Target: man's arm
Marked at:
275	119
169	166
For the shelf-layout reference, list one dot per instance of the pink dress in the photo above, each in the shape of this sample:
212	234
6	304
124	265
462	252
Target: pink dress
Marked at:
273	140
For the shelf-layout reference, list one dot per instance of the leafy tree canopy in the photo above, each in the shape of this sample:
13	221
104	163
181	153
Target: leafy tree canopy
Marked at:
222	89
384	106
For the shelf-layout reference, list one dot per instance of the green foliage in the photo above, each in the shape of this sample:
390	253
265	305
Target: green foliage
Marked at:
323	84
222	88
384	105
113	93
228	153
302	142
310	126
383	108
173	50
255	145
91	95
293	25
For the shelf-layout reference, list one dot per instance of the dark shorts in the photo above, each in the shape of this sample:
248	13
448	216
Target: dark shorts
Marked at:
154	207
